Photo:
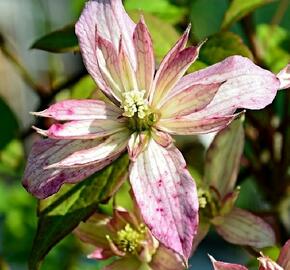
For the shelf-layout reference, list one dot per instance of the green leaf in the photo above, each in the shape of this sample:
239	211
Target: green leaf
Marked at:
9	125
84	88
61	213
163	34
240	8
275	51
162	9
222	45
206	17
223	158
59	41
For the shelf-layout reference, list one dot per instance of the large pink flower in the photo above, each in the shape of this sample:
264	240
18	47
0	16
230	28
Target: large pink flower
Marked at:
145	108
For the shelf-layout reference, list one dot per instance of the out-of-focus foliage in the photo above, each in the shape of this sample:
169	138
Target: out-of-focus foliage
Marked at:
257	29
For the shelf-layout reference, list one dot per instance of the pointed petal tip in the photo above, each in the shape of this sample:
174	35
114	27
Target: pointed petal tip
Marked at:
40	131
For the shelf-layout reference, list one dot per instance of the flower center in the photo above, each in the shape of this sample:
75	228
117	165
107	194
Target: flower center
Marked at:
130	240
135	103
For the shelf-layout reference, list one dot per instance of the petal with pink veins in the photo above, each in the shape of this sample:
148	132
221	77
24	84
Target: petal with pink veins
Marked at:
243	228
189	100
187	126
130	263
145	56
162	138
84	129
86	109
106	147
109	65
45	182
245	85
137	143
160	176
284	257
284	77
111	21
172	72
226	266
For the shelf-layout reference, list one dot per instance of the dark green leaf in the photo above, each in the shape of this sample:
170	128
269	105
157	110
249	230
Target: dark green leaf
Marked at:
9	125
240	8
222	45
59	41
61	213
206	17
223	158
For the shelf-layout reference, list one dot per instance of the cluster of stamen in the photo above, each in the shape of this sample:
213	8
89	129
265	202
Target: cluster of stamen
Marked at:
129	240
135	103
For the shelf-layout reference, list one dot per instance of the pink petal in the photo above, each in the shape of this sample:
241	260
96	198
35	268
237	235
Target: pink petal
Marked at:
166	259
137	143
187	126
162	138
284	258
284	77
84	129
145	56
243	228
45	182
94	232
172	72
245	86
267	264
226	266
108	61
103	149
189	100
86	109
178	47
127	72
166	195
111	22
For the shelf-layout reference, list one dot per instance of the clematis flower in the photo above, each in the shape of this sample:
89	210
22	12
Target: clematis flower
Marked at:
217	194
124	235
283	262
145	109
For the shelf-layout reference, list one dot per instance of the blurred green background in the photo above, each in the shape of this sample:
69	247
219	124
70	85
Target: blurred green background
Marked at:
30	79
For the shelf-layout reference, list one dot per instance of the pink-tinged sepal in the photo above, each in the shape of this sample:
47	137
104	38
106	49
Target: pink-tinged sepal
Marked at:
284	77
137	143
160	175
245	85
243	228
267	264
43	182
217	265
84	129
172	73
87	109
284	257
189	100
145	56
188	126
96	151
130	263
162	138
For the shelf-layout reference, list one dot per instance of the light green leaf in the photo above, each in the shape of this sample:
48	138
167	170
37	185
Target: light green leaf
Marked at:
84	88
240	8
275	51
59	41
61	213
162	9
223	158
163	34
